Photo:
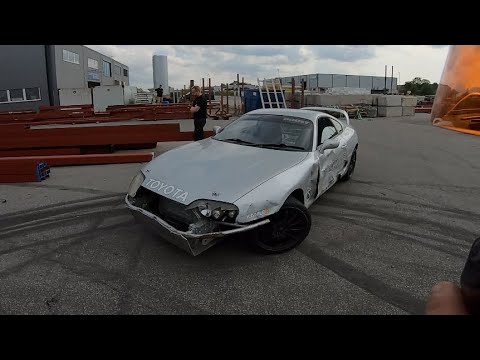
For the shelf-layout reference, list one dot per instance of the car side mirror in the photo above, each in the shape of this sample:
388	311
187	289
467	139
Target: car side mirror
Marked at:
217	129
328	144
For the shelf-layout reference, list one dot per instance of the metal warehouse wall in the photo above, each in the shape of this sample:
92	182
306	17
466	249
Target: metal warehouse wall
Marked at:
338	80
23	66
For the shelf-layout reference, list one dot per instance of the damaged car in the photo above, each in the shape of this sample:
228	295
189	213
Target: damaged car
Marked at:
254	179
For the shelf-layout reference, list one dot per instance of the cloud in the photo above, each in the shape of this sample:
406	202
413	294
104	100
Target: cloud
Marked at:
345	53
223	62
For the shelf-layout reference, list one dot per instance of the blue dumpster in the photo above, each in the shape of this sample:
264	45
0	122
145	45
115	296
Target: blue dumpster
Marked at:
252	99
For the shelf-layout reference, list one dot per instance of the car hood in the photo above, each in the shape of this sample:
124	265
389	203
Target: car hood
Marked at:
217	170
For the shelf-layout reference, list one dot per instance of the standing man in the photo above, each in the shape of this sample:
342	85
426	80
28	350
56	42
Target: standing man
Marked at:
159	91
199	110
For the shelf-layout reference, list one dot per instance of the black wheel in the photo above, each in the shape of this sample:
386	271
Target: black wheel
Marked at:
286	230
351	167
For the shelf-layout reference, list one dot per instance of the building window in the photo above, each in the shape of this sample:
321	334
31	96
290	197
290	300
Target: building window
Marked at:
32	93
125	72
107	68
92	64
19	95
3	96
16	95
118	70
71	57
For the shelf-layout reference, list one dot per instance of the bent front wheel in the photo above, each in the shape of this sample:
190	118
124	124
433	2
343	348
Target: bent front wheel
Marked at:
286	230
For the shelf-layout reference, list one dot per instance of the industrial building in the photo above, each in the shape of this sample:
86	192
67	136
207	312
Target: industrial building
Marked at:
34	75
324	82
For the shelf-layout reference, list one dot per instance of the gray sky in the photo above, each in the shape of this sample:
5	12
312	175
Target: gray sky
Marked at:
222	62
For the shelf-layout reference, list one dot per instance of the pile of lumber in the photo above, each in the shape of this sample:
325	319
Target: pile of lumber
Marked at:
32	142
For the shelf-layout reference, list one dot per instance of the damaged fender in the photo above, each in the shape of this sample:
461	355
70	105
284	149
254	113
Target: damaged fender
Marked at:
267	198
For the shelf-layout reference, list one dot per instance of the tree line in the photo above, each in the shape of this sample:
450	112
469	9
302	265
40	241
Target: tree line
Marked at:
419	86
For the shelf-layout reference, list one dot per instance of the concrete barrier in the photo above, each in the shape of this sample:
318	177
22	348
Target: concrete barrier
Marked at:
372	112
409	101
310	100
390	100
341	100
329	100
390	111
408	110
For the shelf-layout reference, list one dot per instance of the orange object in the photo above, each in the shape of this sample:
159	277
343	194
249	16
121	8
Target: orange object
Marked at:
457	101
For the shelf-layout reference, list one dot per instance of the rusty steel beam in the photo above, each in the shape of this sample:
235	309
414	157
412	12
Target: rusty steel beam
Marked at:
8	117
57	107
423	110
91	159
42	152
188	135
77	115
23	164
17	137
135	146
23	169
16	178
14	137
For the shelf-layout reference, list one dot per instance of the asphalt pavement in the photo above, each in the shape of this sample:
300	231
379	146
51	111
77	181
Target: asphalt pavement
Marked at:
406	220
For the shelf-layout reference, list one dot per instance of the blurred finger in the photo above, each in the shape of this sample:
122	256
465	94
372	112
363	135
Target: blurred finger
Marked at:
446	299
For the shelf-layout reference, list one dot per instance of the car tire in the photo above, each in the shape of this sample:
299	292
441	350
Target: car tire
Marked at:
286	230
351	166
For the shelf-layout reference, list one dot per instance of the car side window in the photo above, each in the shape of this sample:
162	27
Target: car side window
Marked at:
326	130
337	125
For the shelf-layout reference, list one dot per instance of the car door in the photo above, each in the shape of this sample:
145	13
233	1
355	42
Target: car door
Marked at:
342	137
330	160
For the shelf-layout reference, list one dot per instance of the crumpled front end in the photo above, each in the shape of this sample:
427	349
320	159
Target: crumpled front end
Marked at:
188	227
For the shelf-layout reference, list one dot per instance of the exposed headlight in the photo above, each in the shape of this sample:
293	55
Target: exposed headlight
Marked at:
135	184
214	209
206	212
217	214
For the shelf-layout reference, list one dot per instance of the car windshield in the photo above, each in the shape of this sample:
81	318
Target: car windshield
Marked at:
280	132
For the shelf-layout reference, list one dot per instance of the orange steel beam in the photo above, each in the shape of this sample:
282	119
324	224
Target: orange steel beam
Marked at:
90	159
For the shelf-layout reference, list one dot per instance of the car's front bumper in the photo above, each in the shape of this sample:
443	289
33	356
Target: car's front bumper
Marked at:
192	243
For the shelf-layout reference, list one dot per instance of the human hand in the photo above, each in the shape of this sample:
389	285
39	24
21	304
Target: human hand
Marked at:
446	299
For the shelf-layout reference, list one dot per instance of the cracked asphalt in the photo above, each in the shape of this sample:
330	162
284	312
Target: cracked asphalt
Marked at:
378	243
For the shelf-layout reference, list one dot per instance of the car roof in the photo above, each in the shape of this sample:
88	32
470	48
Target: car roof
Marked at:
304	114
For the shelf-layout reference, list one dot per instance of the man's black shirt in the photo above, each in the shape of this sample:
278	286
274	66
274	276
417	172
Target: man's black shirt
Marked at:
202	102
